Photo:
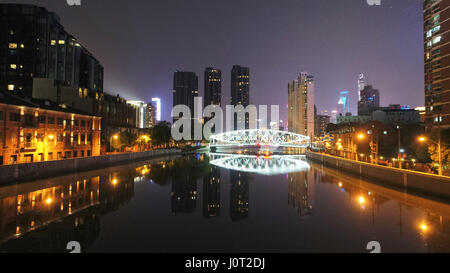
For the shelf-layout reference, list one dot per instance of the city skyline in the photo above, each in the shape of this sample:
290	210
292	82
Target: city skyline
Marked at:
270	51
137	109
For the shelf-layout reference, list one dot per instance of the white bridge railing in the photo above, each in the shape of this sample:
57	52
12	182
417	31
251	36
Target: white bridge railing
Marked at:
259	137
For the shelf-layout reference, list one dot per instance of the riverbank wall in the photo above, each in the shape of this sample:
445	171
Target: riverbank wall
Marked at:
38	170
423	183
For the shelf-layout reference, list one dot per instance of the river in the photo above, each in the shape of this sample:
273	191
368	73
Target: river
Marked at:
200	203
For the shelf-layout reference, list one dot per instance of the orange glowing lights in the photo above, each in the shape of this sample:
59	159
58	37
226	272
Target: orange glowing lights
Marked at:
361	200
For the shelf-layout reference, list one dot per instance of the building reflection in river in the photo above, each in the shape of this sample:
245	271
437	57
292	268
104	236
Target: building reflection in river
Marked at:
211	193
36	218
301	192
239	195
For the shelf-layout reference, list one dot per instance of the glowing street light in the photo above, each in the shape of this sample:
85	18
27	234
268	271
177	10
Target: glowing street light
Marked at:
361	200
424	139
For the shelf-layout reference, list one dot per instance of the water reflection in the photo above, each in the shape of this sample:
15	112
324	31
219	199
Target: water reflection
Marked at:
239	195
37	217
43	216
301	192
211	193
265	165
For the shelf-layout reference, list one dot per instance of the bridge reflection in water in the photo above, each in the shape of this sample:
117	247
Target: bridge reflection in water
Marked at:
264	165
160	196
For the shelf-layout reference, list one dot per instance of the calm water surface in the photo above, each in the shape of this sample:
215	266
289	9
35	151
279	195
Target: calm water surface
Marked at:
189	204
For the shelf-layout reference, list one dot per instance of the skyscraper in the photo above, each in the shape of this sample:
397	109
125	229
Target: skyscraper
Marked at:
36	52
437	61
240	89
344	104
157	105
369	102
362	81
213	86
301	105
185	89
141	108
150	115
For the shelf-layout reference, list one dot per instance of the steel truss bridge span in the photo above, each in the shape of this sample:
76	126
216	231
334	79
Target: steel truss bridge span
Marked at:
259	138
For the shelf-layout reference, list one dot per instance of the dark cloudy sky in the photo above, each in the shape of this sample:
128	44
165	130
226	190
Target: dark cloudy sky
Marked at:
141	42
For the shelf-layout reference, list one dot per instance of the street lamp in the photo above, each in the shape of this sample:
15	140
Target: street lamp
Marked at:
399	149
114	137
438	143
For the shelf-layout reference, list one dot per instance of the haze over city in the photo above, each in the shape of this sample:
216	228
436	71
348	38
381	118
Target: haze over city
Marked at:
141	45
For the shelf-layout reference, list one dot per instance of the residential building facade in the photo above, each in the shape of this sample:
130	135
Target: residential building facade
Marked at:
34	46
301	105
436	15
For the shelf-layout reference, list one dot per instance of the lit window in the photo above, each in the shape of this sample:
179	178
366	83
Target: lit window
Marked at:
12	45
13	66
11	87
61	42
436	29
22	46
437	39
53	42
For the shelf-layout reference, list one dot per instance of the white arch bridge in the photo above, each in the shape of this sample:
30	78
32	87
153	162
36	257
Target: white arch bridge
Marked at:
258	139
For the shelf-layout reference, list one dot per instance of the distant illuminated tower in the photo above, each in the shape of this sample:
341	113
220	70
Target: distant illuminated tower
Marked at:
301	105
240	89
343	104
362	81
150	115
213	87
369	102
157	102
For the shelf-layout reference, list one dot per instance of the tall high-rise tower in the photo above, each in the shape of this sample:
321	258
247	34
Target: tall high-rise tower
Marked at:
369	102
185	88
213	86
437	63
344	104
362	82
301	105
240	89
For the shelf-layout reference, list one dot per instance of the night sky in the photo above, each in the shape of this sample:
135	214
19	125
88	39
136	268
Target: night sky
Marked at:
141	43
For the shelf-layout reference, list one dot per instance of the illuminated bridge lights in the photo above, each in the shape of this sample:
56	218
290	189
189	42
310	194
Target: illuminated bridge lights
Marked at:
259	137
277	164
